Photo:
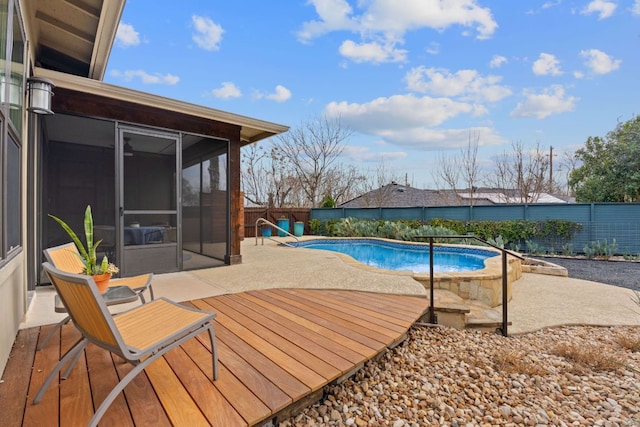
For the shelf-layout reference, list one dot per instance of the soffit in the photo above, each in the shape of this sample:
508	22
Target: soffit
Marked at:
251	130
73	36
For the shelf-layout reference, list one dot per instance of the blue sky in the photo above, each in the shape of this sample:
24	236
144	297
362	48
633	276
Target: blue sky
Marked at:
411	78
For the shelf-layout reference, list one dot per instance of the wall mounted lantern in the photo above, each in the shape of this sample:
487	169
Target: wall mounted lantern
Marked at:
39	93
14	83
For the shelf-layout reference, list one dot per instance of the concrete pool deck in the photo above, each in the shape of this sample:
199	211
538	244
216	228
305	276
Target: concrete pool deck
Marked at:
538	301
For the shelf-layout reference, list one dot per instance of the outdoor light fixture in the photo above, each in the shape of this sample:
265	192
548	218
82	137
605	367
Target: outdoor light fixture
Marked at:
40	91
14	83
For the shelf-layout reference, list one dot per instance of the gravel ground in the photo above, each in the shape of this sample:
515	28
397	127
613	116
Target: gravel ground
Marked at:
625	274
570	376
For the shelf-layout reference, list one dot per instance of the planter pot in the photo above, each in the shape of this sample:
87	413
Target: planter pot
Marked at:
266	231
284	224
102	281
298	228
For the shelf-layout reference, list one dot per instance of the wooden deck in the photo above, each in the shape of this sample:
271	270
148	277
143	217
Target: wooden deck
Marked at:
275	347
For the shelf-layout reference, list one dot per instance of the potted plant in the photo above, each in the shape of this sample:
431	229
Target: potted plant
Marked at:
283	223
101	271
266	230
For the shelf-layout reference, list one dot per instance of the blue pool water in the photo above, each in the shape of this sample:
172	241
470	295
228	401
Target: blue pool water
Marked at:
399	256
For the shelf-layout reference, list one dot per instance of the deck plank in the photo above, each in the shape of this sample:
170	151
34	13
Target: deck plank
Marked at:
384	304
46	412
275	347
294	333
178	404
351	329
16	377
305	375
360	319
196	377
103	377
390	320
305	357
363	345
75	392
284	318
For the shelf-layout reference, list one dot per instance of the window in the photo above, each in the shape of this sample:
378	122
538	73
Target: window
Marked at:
12	78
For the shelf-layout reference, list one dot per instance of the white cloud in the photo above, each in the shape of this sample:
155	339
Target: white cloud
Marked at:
398	111
578	74
546	64
390	20
599	62
497	61
434	48
552	100
372	52
127	36
146	78
364	154
207	34
603	8
467	84
281	94
410	121
226	91
636	8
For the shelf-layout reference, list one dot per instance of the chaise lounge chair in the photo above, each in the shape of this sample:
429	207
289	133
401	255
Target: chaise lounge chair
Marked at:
130	335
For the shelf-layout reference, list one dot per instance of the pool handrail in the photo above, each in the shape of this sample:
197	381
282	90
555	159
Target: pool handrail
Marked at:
432	314
267	222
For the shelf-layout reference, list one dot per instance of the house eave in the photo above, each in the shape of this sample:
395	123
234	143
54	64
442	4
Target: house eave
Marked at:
252	130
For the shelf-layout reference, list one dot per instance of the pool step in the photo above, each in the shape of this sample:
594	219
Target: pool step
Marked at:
458	313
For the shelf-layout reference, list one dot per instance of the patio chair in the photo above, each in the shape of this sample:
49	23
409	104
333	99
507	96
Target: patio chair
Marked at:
130	335
67	258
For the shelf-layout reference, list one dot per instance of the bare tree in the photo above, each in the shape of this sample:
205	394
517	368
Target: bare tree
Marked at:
568	163
312	151
524	172
266	179
377	189
461	172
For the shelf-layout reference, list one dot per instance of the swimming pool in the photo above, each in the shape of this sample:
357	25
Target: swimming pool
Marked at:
404	256
471	272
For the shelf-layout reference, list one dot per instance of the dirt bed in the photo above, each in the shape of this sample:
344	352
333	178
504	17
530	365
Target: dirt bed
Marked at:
625	274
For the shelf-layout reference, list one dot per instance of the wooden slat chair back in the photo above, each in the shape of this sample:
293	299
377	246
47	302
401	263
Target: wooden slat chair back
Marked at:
67	258
139	335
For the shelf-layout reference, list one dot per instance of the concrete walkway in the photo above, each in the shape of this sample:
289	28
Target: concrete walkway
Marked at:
538	300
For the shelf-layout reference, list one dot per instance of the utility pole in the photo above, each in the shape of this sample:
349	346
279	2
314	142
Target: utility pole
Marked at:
550	169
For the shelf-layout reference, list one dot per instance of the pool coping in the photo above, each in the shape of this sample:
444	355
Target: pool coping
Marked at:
484	285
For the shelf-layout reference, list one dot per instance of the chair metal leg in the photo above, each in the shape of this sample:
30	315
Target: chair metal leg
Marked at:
73	362
52	331
214	352
136	370
80	344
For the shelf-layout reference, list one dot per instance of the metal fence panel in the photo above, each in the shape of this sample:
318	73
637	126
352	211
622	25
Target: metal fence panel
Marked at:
600	221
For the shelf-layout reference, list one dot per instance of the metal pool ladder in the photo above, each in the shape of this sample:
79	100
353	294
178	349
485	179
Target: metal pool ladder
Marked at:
260	221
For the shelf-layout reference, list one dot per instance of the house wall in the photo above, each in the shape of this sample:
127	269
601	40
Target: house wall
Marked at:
12	304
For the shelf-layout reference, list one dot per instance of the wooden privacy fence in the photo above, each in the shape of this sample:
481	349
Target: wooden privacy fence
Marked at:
251	215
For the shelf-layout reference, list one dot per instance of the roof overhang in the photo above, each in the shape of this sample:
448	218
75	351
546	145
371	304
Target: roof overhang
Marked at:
251	130
72	36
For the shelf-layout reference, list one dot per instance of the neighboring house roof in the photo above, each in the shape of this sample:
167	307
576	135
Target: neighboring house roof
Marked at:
395	195
72	37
